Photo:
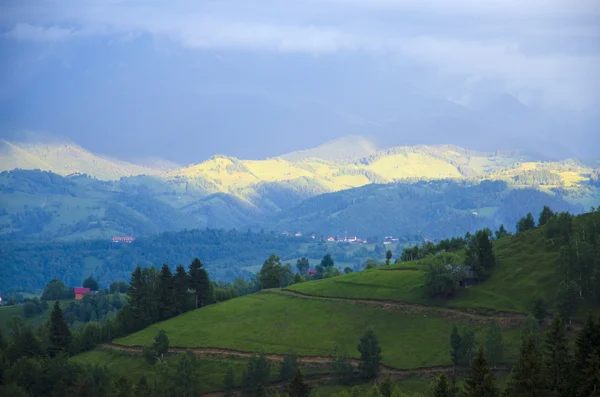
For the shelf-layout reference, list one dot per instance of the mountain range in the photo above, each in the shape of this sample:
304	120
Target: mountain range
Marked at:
328	189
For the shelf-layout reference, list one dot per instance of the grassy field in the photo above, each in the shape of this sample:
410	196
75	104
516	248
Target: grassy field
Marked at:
211	371
521	274
277	323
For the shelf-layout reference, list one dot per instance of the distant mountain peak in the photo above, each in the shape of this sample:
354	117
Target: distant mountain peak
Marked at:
345	148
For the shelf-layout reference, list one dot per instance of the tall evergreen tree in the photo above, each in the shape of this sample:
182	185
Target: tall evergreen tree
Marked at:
527	377
167	293
298	388
557	359
442	387
468	346
199	282
567	300
303	265
180	292
135	295
59	334
370	354
590	383
388	257
493	344
501	232
142	389
480	255
229	383
545	215
588	340
481	381
455	351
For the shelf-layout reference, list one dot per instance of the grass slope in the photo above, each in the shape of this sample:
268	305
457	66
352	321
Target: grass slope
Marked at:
277	323
527	266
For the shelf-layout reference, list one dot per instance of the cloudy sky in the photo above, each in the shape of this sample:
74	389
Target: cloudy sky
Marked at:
187	79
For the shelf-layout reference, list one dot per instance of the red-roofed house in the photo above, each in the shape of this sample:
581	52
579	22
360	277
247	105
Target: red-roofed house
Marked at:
312	272
80	292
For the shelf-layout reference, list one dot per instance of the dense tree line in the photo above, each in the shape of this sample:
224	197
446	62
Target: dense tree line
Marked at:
29	266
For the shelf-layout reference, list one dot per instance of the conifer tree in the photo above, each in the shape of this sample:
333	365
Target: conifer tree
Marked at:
442	387
590	382
388	257
588	340
59	334
545	215
135	295
142	389
455	351
297	387
493	344
480	382
199	282
229	382
180	290
288	366
557	359
527	378
167	293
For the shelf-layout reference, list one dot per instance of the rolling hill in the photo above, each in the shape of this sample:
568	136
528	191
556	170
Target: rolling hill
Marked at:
315	317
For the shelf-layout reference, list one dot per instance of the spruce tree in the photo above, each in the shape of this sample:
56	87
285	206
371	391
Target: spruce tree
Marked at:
590	382
370	354
480	382
455	351
166	288
229	383
142	389
135	295
59	334
588	340
545	215
297	387
557	358
493	344
442	387
180	290
199	282
527	378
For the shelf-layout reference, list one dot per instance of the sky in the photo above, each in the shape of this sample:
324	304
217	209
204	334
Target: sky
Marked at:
186	79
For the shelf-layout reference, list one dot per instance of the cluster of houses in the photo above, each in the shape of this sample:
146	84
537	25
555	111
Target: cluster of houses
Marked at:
81	292
123	239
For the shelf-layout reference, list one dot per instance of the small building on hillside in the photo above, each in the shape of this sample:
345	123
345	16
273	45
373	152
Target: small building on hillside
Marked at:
312	272
81	292
331	239
123	239
470	278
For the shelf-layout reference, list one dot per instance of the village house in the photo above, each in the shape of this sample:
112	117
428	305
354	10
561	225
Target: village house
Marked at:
81	292
469	277
123	239
298	234
331	239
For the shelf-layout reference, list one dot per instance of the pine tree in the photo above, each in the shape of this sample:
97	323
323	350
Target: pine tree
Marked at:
180	290
327	261
527	377
529	222
135	295
545	215
589	385
370	354
481	381
493	344
229	382
199	282
59	334
298	388
166	289
442	387
557	360
588	340
161	344
567	299
455	351
142	389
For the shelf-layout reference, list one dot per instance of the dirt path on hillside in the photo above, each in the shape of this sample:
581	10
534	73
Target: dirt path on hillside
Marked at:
320	362
506	319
